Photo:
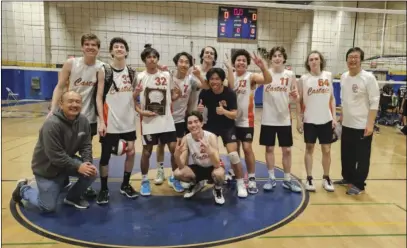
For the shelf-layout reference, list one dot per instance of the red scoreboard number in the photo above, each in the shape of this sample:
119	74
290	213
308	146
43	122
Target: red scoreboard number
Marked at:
237	30
226	14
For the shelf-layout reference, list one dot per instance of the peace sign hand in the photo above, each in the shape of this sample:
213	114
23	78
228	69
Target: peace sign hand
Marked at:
196	71
258	61
227	62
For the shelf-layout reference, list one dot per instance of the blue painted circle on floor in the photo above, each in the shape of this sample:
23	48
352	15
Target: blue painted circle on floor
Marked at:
167	220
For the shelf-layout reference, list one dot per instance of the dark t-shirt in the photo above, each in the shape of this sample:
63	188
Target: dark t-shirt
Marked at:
211	100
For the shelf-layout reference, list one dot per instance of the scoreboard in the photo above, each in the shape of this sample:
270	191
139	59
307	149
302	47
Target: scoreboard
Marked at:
237	23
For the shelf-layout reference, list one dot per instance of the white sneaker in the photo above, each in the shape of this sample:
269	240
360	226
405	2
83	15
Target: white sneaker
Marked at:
309	186
193	189
328	185
217	193
160	177
241	191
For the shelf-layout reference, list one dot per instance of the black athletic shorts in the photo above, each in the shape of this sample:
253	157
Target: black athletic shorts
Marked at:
227	135
180	129
245	134
110	140
93	129
268	136
323	132
159	138
202	173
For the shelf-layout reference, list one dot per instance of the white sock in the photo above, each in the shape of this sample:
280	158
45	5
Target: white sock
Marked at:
287	177
252	175
239	181
160	164
271	174
144	177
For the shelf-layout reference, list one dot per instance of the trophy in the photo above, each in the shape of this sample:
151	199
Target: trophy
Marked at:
156	100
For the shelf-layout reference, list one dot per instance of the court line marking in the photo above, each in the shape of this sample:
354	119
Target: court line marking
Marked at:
336	236
351	203
31	243
371	223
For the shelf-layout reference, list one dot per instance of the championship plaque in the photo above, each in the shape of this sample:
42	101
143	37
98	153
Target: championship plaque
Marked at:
156	100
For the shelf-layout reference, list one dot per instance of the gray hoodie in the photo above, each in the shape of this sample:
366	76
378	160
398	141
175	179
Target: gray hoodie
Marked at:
59	140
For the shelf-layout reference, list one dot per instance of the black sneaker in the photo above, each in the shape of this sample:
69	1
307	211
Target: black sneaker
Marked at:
90	193
128	191
16	193
80	203
103	197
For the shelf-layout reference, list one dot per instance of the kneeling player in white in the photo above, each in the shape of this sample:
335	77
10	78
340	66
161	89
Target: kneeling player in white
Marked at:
203	148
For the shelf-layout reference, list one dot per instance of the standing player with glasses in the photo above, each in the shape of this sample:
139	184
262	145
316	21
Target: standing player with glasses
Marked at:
276	118
117	116
188	78
157	91
80	75
317	117
244	87
360	101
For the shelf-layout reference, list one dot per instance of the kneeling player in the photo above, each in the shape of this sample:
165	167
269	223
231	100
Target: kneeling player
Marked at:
202	146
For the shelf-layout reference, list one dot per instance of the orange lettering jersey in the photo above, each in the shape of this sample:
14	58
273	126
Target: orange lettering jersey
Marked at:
159	123
245	100
316	93
83	80
276	99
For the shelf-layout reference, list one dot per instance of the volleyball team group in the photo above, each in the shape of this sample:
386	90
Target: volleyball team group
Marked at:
187	109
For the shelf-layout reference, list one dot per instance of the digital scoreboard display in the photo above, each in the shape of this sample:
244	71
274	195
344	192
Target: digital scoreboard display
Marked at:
237	23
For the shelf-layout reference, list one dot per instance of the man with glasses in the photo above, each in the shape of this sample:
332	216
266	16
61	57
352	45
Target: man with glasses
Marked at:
360	101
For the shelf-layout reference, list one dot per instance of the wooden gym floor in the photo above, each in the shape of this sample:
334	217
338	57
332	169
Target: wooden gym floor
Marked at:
376	218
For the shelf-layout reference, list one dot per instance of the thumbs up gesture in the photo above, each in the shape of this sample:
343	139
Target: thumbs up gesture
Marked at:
220	110
201	106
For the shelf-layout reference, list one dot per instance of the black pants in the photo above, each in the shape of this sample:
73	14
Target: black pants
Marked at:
355	156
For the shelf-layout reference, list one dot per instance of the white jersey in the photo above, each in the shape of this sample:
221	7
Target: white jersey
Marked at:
276	99
83	79
316	93
194	98
245	100
160	123
198	156
119	113
186	85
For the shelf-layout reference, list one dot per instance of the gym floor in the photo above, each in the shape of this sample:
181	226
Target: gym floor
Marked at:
376	218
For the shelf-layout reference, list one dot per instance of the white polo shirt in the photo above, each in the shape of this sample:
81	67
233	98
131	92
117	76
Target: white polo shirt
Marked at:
359	95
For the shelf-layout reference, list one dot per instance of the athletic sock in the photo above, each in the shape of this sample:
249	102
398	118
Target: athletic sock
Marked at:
103	181
126	178
287	177
271	174
144	177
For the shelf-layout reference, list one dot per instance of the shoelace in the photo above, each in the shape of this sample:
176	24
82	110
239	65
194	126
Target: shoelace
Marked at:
218	193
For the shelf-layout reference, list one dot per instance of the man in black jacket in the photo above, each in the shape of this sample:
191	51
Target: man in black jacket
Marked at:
63	134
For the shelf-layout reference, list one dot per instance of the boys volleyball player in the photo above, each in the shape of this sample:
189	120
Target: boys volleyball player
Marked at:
117	116
244	87
276	118
317	117
202	147
189	81
80	75
221	104
157	124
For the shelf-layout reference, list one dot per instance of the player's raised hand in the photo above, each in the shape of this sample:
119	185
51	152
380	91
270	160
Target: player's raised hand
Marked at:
201	107
204	145
180	147
176	93
195	71
258	61
293	93
220	110
227	62
162	67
